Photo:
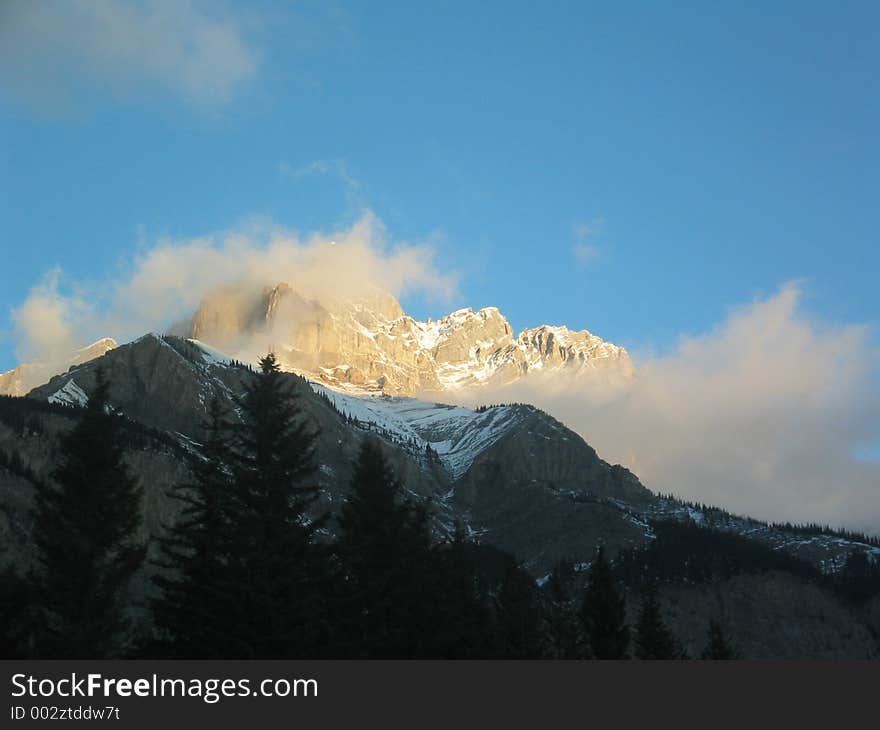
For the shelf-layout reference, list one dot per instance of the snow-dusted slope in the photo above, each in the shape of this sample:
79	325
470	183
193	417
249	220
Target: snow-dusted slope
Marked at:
457	434
69	394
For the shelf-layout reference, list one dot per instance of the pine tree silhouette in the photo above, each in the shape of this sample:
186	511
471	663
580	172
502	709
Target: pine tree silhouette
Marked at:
859	579
653	638
192	610
563	617
519	616
719	645
85	532
16	615
384	547
604	612
461	627
275	569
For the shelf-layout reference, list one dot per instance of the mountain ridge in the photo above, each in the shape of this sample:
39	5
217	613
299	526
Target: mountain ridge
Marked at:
512	476
370	344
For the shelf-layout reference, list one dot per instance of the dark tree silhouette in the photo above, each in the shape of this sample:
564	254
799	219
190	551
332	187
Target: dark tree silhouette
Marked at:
385	549
274	569
85	531
653	638
16	615
461	627
604	612
192	609
719	645
859	579
519	616
563	617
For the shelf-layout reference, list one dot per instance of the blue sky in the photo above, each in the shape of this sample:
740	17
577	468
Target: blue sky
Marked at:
633	168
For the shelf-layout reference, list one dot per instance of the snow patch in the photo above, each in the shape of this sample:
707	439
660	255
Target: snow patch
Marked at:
457	434
211	355
70	394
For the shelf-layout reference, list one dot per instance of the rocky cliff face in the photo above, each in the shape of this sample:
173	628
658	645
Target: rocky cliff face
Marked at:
368	344
371	345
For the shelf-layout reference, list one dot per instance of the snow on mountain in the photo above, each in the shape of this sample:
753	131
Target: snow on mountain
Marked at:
211	355
373	346
368	345
457	434
69	394
90	352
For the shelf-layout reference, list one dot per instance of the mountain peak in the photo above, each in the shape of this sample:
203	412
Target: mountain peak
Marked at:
367	343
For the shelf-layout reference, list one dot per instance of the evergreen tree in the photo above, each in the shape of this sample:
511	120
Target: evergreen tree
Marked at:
192	609
461	622
719	645
519	616
859	579
384	546
604	612
15	616
564	623
275	570
85	531
653	638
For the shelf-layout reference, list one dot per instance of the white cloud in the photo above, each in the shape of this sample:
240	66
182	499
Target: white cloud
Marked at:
45	323
763	416
336	167
192	49
167	281
584	247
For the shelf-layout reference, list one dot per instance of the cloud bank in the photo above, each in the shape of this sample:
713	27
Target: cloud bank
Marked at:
166	283
192	49
761	416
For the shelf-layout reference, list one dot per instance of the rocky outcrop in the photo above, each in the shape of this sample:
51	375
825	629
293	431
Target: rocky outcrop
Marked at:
369	344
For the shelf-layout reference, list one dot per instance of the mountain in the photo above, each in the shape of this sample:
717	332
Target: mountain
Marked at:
165	383
22	378
368	343
512	476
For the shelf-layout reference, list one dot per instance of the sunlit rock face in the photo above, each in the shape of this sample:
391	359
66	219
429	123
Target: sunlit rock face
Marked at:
26	376
370	344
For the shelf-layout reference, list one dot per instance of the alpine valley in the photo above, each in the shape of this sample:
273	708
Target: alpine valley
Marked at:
512	476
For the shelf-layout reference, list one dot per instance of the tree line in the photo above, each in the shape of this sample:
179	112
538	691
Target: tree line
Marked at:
247	570
683	551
